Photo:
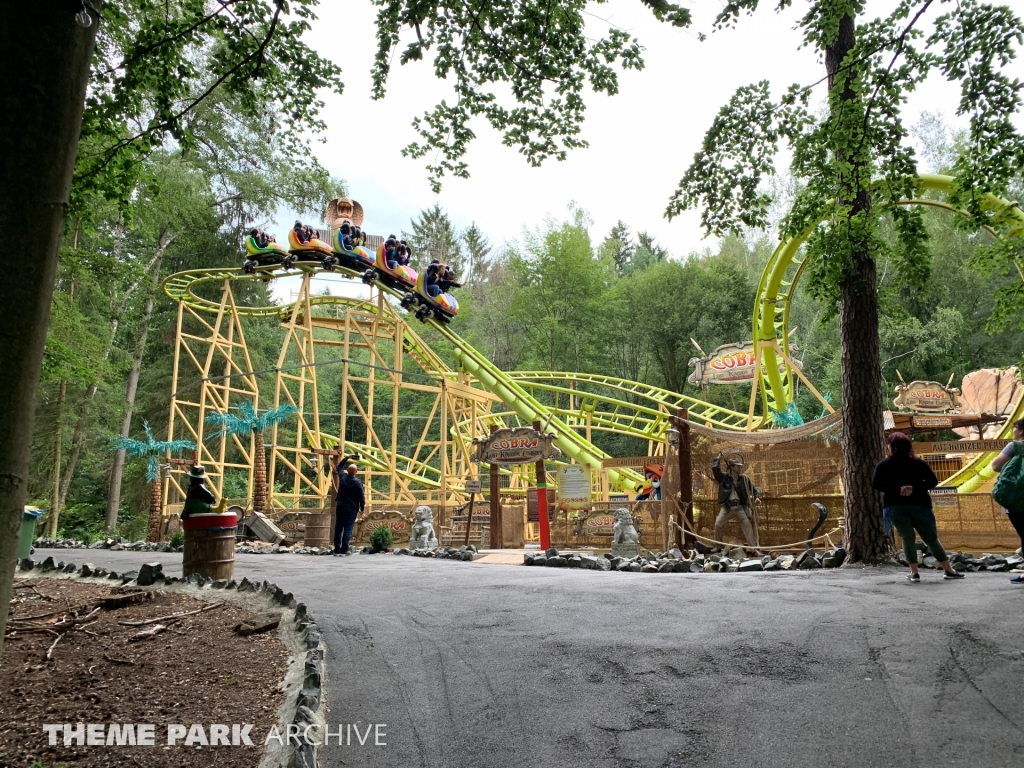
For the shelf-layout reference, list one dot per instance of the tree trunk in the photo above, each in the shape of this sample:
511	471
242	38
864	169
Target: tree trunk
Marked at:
863	431
44	71
155	528
117	468
259	473
55	502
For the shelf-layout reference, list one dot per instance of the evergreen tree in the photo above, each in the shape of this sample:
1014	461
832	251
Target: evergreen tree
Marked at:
434	236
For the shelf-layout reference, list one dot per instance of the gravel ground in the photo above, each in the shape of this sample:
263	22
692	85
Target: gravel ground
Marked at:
472	665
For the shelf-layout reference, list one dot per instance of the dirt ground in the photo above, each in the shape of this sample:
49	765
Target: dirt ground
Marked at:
198	671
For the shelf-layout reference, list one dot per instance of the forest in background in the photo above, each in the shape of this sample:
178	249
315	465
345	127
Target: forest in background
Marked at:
553	300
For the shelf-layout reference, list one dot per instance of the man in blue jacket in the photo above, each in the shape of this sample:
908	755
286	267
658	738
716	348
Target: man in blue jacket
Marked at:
351	501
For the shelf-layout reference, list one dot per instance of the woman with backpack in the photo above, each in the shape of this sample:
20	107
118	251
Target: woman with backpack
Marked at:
904	481
1015	510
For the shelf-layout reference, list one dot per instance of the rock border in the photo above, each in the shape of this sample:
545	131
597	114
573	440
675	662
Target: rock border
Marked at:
466	553
736	560
305	693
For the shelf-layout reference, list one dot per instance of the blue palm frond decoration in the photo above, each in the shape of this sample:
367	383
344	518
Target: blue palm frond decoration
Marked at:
246	421
824	410
149	447
790	417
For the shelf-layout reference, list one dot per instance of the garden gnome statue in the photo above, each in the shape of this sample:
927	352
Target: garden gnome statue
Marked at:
198	500
423	536
625	539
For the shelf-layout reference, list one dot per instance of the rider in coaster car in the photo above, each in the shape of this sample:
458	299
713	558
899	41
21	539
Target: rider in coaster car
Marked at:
261	238
346	237
404	254
446	279
303	233
431	280
391	252
357	236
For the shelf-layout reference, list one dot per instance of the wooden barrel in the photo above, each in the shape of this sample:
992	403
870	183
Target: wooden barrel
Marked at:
210	550
320	529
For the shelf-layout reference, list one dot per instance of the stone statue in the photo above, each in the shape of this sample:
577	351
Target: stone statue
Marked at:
423	536
625	539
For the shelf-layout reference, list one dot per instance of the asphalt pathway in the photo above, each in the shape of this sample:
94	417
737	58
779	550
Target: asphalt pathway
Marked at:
470	665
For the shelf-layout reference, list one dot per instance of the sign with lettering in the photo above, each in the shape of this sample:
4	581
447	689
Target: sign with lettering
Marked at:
927	397
944	497
472	486
730	364
520	445
938	422
573	487
631	461
961	446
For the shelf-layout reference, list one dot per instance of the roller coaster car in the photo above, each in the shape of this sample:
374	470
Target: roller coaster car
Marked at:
358	259
401	278
443	307
303	246
261	250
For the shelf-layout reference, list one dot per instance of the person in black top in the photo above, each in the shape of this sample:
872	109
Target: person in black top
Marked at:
351	501
904	481
432	278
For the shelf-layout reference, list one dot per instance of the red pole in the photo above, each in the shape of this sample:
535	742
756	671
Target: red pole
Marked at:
542	501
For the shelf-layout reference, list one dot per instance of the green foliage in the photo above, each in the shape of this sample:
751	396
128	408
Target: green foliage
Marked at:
155	65
381	539
858	150
537	51
434	236
177	538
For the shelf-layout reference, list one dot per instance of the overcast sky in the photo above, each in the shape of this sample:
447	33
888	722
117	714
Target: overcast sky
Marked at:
641	140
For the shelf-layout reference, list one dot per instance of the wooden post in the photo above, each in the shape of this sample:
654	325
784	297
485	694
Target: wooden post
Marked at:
685	541
495	502
469	518
542	501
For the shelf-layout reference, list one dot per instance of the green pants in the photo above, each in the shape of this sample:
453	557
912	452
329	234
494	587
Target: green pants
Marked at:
907	518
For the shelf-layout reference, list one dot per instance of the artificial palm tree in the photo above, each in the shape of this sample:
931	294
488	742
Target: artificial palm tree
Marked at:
246	423
153	448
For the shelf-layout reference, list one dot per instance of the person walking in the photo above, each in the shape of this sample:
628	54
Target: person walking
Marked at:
1015	516
351	501
904	481
736	496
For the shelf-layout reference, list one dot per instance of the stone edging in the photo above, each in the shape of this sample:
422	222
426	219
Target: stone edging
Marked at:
305	699
675	561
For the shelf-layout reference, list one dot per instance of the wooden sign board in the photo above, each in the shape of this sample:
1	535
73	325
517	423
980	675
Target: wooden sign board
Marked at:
961	446
926	396
631	461
937	422
532	515
521	445
730	364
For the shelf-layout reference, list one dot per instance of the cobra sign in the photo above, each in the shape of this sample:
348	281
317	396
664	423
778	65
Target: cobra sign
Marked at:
730	364
927	397
519	445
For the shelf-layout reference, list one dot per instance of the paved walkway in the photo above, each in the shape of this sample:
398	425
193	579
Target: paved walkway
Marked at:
471	665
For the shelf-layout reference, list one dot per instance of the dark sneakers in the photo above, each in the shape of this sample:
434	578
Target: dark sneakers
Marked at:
952	575
1017	579
914	578
337	552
